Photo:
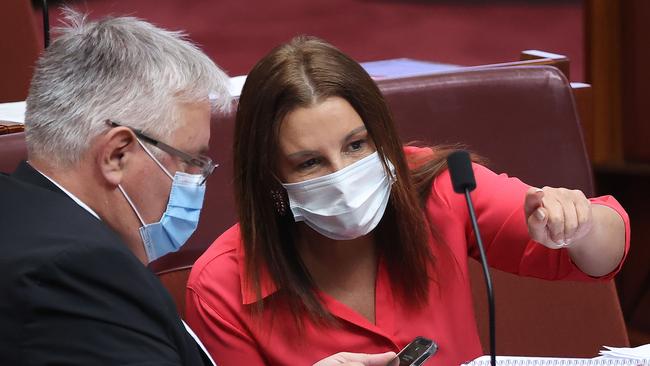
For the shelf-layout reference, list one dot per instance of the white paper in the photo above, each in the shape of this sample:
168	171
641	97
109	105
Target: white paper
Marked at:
557	361
378	70
236	85
637	353
13	112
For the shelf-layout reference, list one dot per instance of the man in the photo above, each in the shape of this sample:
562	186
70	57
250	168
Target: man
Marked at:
117	125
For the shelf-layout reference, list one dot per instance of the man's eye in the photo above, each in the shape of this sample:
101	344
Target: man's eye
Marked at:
185	167
308	164
196	162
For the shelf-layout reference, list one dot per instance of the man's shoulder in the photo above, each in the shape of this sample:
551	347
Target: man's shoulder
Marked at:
45	228
21	198
30	211
59	261
10	186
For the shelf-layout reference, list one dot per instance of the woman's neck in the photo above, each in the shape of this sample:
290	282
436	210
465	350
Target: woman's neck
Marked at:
343	269
337	263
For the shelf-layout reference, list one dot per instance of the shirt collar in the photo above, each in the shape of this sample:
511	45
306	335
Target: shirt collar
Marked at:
74	198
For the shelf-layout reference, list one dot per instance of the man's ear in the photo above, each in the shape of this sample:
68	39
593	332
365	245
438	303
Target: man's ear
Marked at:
116	150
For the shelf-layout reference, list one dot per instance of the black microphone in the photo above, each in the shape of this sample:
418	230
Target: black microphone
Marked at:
462	179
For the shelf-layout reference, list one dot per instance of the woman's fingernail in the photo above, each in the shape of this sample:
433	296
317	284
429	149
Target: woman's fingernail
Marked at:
540	215
538	190
562	244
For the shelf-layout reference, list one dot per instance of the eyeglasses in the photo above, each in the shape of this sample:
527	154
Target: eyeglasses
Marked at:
200	161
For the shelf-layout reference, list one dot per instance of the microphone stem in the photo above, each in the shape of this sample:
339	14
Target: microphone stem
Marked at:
46	25
488	279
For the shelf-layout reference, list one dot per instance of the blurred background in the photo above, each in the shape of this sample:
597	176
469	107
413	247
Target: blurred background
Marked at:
237	33
607	42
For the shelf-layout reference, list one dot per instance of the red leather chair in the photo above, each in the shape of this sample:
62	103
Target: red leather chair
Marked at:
12	151
524	121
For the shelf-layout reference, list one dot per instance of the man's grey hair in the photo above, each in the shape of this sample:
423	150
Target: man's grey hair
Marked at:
118	68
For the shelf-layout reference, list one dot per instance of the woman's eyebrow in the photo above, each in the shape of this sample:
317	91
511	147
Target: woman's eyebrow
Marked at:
302	154
354	132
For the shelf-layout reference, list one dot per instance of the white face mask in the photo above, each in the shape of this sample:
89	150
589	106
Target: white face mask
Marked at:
346	204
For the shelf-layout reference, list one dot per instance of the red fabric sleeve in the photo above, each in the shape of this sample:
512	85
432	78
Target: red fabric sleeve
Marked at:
499	201
227	344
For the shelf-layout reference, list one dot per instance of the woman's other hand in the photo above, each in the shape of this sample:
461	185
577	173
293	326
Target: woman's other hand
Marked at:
357	359
557	216
593	234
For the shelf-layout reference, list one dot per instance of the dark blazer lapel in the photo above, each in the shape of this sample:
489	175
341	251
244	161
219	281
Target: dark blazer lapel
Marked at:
26	173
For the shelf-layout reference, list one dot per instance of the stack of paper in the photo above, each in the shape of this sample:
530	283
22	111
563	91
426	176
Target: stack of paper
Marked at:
557	361
610	356
636	353
13	112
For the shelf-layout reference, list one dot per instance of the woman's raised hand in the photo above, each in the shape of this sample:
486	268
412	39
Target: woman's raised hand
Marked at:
557	216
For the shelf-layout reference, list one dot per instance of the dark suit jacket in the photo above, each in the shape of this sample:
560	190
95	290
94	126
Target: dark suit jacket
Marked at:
72	293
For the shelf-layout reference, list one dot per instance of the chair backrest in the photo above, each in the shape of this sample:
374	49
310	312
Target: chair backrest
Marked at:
175	280
19	48
12	151
523	119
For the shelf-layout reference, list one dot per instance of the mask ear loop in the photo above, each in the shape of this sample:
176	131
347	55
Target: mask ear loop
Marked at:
154	159
128	199
388	167
277	178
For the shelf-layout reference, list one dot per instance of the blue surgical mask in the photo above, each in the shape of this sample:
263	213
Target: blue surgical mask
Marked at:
180	219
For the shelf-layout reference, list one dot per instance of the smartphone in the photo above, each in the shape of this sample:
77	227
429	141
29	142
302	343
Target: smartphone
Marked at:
415	353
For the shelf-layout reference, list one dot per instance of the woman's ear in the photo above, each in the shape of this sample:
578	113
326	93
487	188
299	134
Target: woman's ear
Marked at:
116	152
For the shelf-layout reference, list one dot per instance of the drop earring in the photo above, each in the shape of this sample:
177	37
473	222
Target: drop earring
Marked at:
279	202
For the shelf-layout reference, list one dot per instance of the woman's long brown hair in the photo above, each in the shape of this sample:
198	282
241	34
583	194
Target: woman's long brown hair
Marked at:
302	73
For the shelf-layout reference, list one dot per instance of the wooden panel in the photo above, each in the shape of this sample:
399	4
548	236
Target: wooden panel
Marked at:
604	74
635	41
618	34
10	127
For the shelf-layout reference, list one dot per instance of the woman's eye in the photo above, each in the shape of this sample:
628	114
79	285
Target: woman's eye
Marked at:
308	164
357	145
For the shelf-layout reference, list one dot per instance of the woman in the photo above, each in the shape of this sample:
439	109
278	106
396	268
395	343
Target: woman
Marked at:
349	241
